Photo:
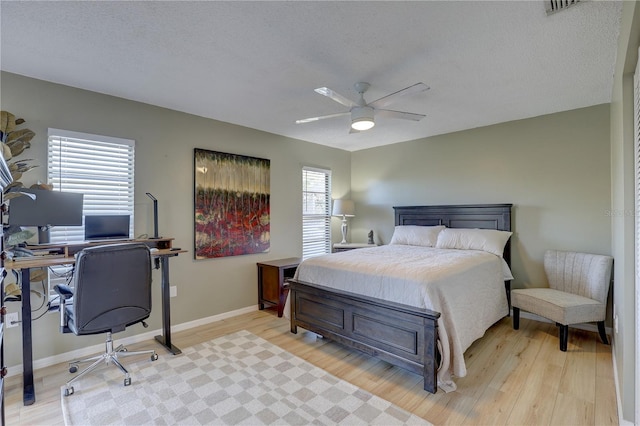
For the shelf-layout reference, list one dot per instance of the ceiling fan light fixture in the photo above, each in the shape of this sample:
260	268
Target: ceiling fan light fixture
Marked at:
362	124
362	118
362	113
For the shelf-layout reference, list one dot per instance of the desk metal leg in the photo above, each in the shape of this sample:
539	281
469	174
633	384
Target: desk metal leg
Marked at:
29	392
165	338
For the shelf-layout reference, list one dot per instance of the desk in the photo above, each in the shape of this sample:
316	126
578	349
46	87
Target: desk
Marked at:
163	254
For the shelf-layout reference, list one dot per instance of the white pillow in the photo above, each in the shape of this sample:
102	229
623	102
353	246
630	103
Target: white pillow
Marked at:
414	235
489	240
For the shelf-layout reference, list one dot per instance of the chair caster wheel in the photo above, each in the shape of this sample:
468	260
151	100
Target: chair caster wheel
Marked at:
124	350
127	381
154	357
73	369
68	391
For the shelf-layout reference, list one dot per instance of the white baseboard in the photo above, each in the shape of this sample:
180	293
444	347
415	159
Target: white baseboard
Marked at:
621	421
90	350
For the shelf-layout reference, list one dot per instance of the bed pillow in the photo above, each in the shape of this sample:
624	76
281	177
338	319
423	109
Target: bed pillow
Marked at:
489	240
414	235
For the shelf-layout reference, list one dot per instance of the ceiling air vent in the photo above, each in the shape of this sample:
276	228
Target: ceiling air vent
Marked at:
554	6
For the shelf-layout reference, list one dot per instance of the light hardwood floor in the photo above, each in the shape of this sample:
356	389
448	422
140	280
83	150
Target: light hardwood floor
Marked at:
514	377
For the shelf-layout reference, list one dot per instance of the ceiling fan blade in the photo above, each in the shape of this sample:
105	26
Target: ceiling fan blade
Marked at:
335	96
399	114
322	117
382	102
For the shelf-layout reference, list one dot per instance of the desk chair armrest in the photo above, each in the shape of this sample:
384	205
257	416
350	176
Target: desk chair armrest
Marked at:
65	292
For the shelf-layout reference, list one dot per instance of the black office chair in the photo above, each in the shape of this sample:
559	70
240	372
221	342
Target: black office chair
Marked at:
111	291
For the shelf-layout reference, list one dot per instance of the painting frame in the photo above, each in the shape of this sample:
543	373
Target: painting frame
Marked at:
231	204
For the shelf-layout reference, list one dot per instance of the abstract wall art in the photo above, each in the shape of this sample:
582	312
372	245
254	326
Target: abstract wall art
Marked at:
232	215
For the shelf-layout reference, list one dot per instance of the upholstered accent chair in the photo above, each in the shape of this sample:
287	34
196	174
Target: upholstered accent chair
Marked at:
577	293
111	291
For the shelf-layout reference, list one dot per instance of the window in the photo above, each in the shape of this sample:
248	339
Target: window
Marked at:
101	168
316	212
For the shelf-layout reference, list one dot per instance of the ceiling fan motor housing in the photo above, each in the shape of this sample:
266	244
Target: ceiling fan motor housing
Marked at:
361	87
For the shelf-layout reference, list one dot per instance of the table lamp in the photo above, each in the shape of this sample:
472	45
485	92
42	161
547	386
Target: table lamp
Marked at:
344	208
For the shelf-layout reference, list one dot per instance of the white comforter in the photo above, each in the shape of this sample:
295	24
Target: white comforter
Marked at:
465	286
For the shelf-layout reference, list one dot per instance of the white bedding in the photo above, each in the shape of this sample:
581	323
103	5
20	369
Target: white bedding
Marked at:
465	286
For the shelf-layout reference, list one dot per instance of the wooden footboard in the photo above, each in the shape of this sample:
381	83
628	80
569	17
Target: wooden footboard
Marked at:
399	334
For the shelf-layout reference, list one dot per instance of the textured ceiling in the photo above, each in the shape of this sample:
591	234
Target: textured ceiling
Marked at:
256	63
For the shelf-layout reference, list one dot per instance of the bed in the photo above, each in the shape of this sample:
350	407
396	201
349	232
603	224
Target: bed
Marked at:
389	328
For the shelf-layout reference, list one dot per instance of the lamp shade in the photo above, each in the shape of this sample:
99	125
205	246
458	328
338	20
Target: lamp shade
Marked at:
343	208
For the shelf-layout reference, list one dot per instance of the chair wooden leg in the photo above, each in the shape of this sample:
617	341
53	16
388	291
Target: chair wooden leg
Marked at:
602	332
516	318
564	337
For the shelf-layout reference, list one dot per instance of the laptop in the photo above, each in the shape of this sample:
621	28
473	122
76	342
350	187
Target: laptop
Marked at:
106	227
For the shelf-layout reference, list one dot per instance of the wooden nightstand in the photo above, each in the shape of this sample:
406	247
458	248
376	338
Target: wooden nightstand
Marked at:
271	277
337	247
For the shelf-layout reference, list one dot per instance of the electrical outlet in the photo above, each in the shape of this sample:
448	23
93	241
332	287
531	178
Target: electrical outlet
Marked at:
173	291
11	319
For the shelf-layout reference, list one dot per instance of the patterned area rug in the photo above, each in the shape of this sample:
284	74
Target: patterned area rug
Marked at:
235	379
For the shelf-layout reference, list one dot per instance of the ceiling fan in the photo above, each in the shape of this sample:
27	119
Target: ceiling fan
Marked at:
362	113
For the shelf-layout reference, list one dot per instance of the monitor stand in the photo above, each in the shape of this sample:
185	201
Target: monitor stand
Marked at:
44	235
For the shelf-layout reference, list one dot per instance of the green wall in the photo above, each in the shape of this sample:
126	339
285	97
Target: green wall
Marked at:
555	169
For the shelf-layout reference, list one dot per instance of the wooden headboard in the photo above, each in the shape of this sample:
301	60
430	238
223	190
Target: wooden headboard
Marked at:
483	216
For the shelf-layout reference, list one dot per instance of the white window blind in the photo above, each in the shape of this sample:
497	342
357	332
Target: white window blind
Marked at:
316	212
100	167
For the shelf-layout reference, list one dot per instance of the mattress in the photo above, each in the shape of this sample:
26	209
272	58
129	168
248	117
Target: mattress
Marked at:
465	286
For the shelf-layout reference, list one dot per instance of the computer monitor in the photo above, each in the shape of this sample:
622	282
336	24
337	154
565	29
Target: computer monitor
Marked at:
49	208
106	227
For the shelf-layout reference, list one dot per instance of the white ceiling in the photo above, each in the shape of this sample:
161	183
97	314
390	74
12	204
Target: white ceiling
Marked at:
256	63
